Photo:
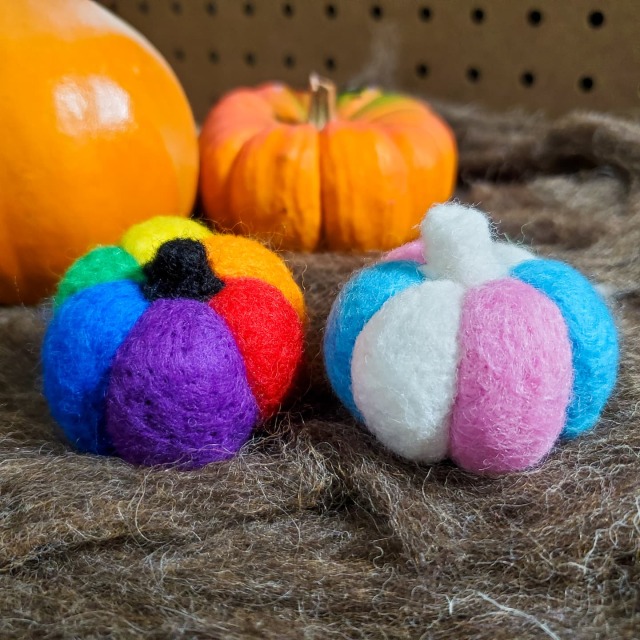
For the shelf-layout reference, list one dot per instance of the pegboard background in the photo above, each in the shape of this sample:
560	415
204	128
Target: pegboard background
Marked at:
553	55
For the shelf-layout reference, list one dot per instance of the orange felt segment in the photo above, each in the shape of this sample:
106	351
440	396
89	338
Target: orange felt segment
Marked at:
269	336
237	257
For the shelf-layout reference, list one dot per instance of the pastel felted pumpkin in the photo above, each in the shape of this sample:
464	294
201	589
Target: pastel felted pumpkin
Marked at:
461	346
173	346
96	135
305	173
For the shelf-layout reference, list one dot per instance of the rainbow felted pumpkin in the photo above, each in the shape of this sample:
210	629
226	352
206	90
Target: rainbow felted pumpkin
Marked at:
304	172
171	347
464	347
96	135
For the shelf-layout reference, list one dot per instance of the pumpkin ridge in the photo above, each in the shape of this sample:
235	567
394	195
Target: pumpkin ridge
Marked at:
272	196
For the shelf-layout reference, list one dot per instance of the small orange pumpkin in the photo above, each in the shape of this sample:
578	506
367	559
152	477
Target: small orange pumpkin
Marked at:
96	135
307	171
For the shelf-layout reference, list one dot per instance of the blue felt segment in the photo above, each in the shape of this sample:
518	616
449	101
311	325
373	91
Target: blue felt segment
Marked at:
78	349
593	335
356	304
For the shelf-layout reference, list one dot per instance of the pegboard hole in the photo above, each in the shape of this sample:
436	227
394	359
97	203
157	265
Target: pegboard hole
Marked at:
425	14
528	79
586	84
214	57
179	54
422	70
477	15
176	7
330	64
211	8
331	11
377	12
143	7
534	17
596	19
473	75
289	61
248	9
288	10
250	59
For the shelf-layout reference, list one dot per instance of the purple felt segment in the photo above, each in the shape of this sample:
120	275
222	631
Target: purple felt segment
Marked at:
178	392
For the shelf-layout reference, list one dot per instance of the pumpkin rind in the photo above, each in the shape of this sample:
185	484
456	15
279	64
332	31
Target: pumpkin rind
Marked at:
97	134
362	181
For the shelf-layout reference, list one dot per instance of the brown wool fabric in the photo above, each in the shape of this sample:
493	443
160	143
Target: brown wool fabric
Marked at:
315	531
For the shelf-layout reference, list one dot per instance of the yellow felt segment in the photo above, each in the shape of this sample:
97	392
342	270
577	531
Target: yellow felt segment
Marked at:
236	257
142	240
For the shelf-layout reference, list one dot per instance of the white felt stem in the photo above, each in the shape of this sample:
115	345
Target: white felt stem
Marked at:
458	245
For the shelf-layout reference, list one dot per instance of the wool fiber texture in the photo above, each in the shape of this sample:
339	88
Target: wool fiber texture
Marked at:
239	257
404	369
79	347
514	378
144	239
268	334
362	297
178	390
414	359
593	339
315	530
103	264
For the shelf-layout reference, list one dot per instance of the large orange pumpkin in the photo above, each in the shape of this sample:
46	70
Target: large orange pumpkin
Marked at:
291	168
95	135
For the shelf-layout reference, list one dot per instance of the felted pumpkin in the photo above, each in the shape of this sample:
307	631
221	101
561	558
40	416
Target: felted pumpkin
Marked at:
305	171
173	346
97	134
461	346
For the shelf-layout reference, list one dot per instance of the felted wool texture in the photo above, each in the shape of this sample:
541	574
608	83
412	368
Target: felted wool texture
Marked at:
267	544
514	378
404	369
412	251
143	240
269	336
458	245
180	269
178	391
103	264
77	354
358	301
593	335
507	254
239	257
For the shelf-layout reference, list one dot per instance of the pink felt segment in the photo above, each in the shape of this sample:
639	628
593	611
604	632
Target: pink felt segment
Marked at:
413	251
514	378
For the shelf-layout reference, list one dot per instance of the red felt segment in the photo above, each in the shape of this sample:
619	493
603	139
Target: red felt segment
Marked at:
268	333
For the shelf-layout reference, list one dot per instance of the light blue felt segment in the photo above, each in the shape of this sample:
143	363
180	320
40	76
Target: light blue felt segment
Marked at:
593	335
78	349
356	304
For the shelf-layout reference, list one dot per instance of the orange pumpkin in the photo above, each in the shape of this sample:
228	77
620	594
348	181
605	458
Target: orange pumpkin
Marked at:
307	172
95	135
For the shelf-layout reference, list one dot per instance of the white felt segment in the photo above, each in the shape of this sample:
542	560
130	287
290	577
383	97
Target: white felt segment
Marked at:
459	246
404	369
511	255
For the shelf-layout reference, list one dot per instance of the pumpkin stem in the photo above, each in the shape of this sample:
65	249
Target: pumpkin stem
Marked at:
323	101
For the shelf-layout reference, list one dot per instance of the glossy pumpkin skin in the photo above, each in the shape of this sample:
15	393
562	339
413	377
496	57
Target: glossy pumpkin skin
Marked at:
362	182
96	135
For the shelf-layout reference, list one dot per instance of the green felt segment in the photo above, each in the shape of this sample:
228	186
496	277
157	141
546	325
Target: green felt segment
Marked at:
104	264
